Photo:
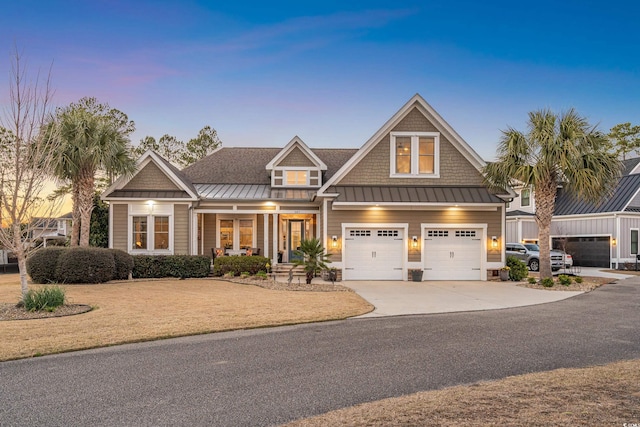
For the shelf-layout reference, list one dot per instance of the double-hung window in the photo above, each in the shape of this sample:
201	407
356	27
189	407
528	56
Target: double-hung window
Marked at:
415	154
525	197
150	227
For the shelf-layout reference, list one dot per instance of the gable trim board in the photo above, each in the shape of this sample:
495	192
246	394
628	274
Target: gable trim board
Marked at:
296	142
415	102
147	158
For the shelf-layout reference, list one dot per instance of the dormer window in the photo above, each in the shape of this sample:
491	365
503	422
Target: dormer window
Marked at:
296	177
415	154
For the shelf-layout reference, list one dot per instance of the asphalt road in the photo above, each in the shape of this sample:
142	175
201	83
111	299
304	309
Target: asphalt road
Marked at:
270	376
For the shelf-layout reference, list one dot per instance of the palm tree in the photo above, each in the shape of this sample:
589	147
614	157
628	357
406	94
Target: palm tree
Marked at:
90	142
313	257
556	150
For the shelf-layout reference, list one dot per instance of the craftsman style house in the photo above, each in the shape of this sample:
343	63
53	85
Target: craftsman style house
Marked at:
596	235
412	197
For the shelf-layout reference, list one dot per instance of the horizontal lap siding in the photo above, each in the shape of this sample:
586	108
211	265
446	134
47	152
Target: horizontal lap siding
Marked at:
259	243
120	227
493	219
209	238
181	229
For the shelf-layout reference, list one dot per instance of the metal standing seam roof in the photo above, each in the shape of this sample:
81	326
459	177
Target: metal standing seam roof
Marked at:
251	192
404	194
150	194
626	189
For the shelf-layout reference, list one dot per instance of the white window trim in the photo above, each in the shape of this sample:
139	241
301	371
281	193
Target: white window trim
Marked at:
236	230
528	205
415	155
296	169
150	211
631	241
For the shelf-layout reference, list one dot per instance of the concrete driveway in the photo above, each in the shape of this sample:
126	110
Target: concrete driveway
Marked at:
393	298
396	298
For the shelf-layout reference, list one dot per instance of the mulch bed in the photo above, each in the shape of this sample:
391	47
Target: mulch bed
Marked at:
588	284
284	286
12	312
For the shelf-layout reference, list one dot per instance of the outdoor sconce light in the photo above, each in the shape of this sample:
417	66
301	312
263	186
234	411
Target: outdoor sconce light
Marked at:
414	241
494	242
334	241
613	241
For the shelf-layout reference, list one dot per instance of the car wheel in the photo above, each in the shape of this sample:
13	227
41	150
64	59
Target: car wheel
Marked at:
534	265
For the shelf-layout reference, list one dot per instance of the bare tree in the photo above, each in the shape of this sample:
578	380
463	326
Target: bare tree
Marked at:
24	162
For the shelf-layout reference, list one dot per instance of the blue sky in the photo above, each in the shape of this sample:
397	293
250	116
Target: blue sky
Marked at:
263	72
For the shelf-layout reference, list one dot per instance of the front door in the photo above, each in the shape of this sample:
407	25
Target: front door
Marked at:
296	236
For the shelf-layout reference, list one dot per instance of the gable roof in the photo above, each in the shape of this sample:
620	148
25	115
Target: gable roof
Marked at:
443	127
244	165
185	189
626	190
296	142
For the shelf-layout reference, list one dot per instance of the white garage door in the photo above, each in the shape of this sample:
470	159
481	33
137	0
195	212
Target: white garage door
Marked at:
452	254
373	254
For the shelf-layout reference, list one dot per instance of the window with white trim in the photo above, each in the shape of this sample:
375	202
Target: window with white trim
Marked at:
634	241
296	177
236	234
415	154
142	240
525	197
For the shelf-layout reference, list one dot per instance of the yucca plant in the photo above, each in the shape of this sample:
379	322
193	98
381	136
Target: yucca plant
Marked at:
312	255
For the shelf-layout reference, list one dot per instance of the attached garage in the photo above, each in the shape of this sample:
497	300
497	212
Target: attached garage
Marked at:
374	254
452	253
587	251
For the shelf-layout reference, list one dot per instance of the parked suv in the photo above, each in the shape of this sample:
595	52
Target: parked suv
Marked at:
530	254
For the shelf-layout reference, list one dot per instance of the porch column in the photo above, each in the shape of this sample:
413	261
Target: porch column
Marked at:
265	242
274	256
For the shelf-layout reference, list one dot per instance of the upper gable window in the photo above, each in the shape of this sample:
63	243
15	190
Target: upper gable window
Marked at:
415	154
296	177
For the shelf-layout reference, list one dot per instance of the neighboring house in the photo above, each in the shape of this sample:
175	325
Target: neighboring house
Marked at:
48	229
412	197
602	235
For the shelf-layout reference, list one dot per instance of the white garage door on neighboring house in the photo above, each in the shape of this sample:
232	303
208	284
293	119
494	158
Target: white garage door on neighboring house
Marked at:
452	254
373	254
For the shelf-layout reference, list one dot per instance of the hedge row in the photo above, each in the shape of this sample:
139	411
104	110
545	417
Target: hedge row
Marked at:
98	265
78	265
182	266
239	264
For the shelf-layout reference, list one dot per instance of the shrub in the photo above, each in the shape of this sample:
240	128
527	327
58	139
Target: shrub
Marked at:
532	280
547	282
262	275
564	280
182	266
41	266
123	262
579	279
47	298
517	269
239	264
245	274
85	265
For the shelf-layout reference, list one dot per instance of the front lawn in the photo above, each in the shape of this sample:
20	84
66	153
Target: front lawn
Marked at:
134	311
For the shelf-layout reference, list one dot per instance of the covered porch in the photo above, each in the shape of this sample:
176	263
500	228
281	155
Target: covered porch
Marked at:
274	234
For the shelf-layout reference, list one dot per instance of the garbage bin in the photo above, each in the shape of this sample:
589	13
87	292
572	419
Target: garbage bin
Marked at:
416	275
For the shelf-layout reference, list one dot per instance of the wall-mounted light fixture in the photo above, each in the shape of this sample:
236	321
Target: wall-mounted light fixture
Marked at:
414	242
334	241
494	242
613	241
